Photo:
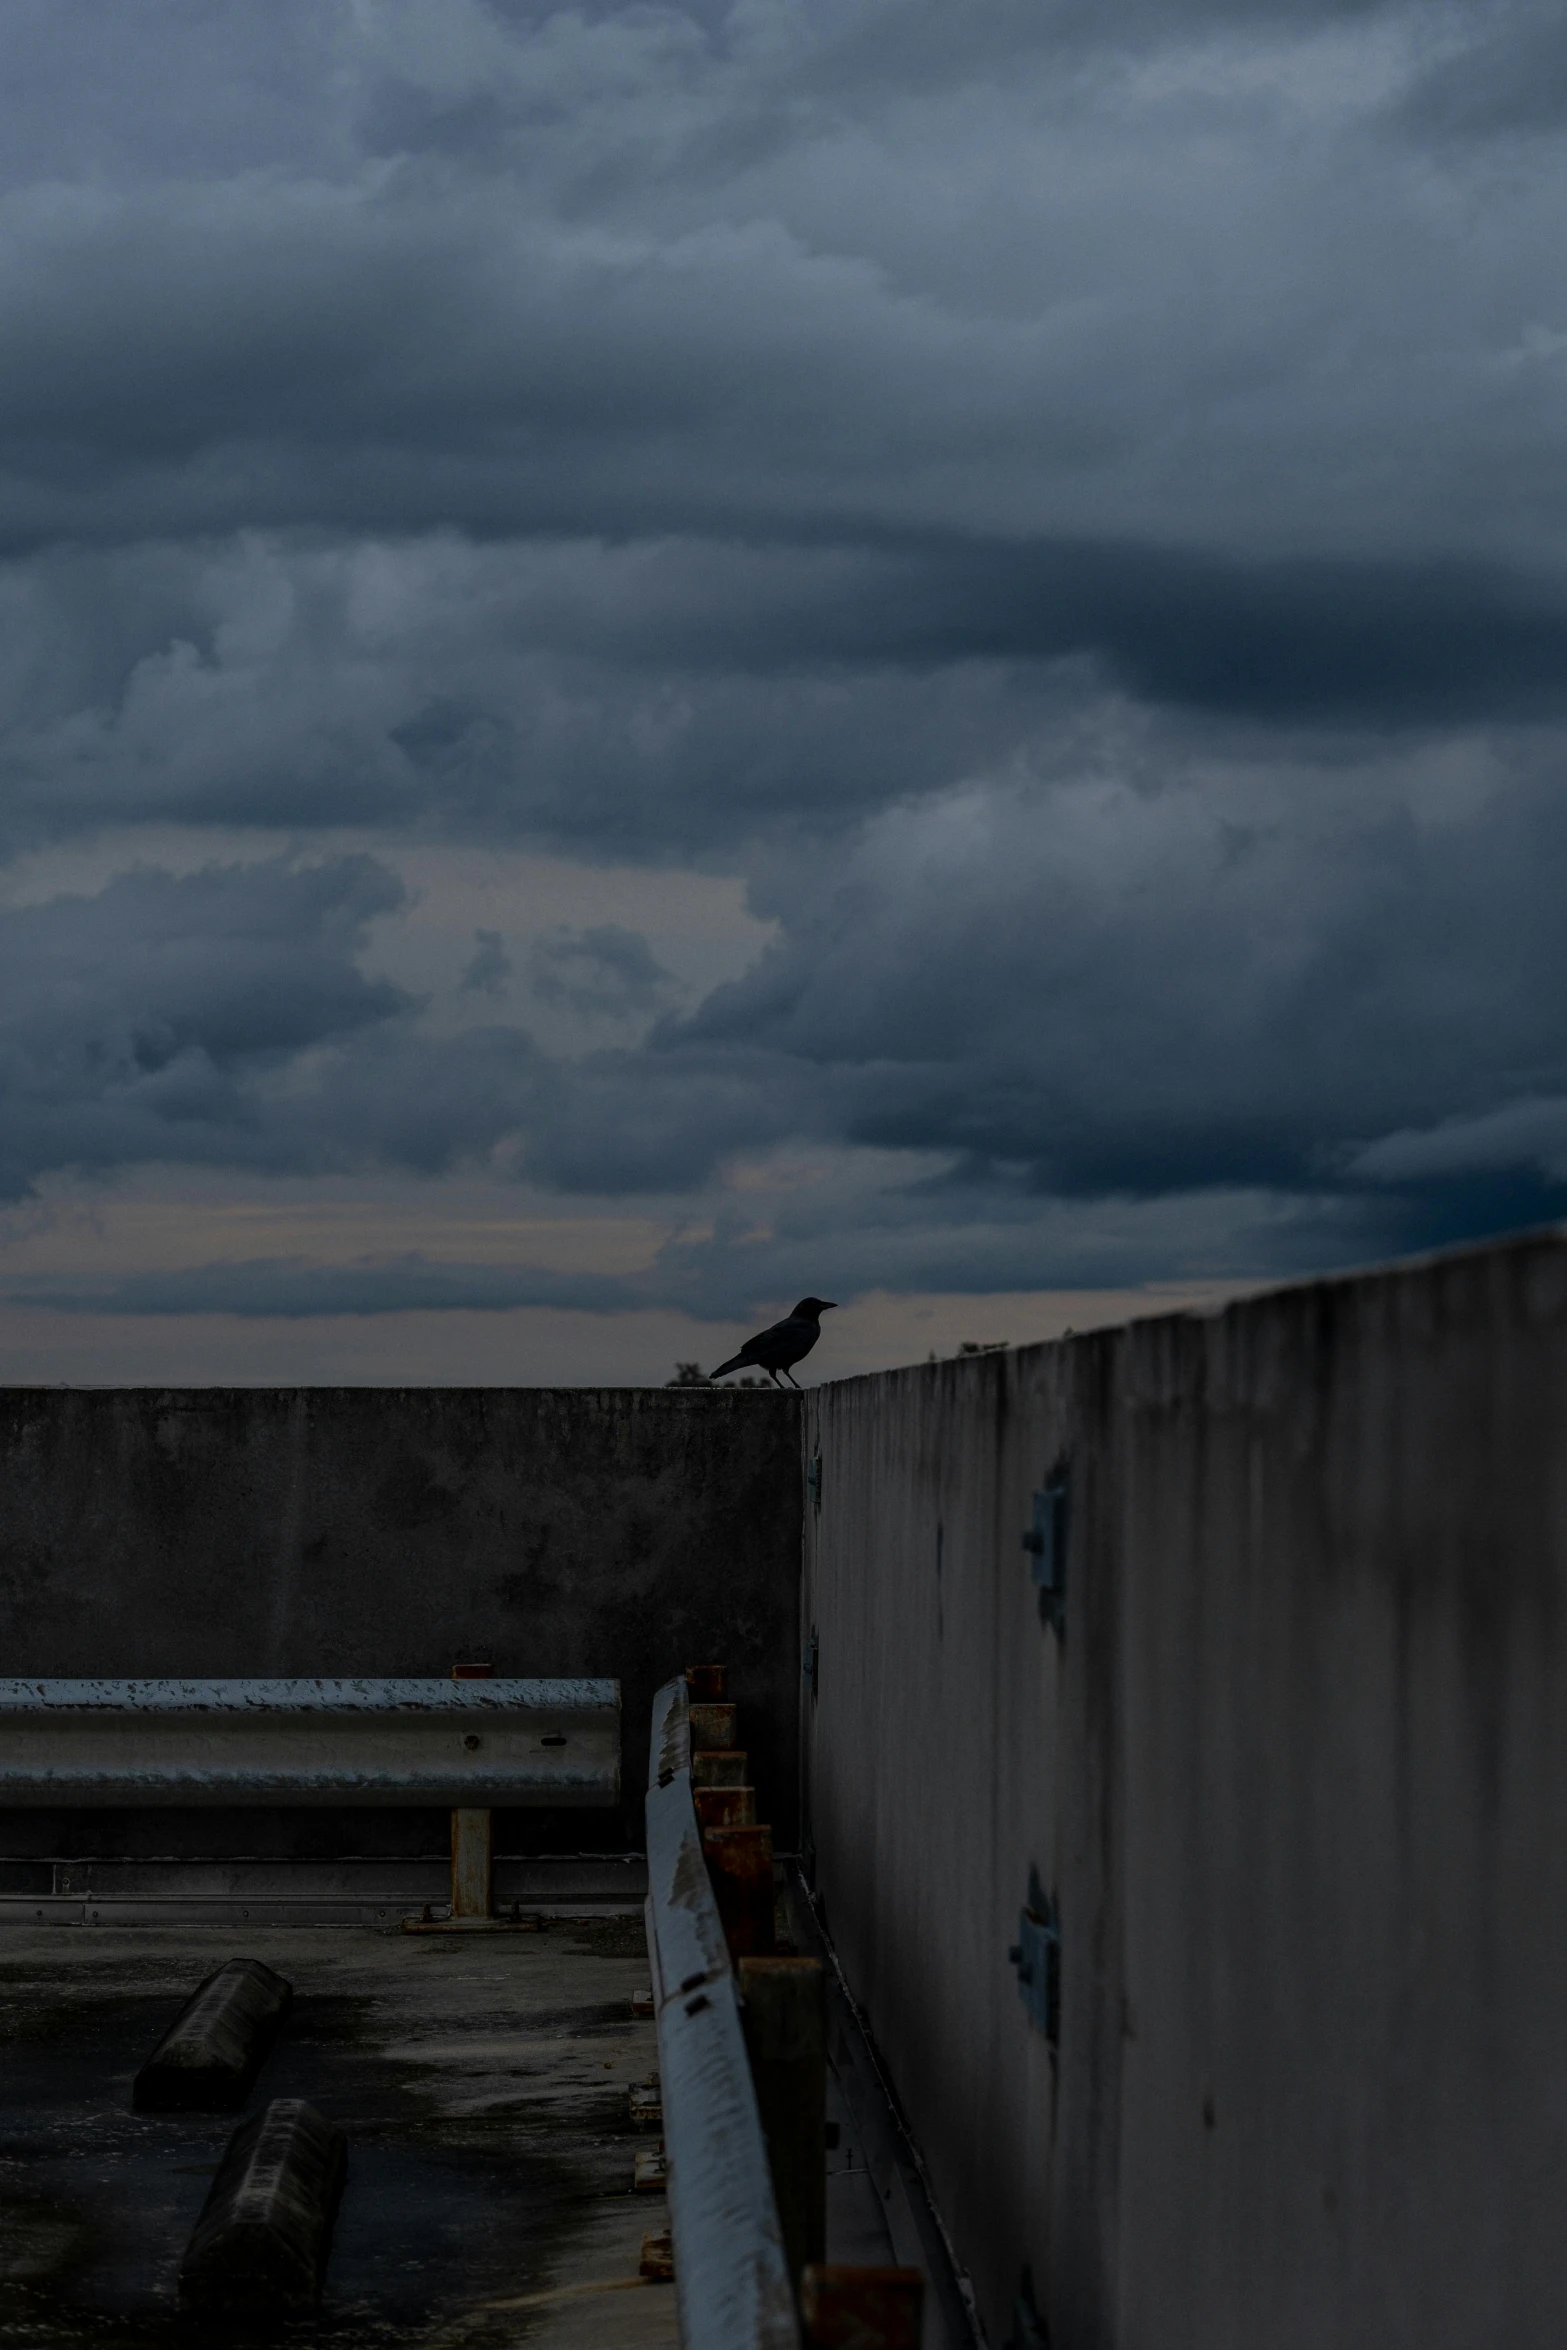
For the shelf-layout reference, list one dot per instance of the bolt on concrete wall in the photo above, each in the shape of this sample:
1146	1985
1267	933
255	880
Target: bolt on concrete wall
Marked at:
624	1532
1296	1775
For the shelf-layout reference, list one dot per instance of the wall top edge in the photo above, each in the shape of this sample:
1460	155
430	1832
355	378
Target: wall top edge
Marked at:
1512	1254
1509	1251
678	1399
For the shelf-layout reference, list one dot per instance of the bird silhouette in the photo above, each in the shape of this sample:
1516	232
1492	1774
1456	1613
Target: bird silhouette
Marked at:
783	1343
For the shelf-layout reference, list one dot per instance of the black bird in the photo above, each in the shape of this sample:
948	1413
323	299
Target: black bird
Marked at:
786	1342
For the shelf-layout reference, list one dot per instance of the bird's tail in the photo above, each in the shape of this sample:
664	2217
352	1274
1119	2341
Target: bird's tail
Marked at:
735	1363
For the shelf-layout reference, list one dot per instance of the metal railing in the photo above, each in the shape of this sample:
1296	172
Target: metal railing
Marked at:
731	2274
459	1743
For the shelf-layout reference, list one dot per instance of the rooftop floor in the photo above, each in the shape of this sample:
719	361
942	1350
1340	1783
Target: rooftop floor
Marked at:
482	2082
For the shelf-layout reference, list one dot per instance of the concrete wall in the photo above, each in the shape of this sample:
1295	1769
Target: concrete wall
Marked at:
1297	1775
365	1530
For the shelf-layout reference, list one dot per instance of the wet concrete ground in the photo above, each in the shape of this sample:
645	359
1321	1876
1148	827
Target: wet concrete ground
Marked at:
482	2082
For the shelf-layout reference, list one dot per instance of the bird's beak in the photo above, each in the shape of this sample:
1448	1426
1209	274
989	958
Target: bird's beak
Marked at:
828	1304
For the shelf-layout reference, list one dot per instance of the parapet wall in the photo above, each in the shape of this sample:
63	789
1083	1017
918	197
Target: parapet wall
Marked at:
1296	1775
256	1531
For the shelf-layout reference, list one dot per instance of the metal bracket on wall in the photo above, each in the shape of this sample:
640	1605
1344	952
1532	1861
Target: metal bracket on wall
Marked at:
1046	1540
1036	1954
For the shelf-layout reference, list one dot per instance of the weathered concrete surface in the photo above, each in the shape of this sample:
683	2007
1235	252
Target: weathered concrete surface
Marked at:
483	2083
209	1531
1298	1777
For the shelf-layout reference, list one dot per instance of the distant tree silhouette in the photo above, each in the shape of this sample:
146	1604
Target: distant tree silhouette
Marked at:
693	1375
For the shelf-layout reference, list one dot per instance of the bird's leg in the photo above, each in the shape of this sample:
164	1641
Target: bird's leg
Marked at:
793	1381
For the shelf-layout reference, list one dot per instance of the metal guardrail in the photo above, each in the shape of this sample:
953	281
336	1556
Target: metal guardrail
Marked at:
731	2274
470	1744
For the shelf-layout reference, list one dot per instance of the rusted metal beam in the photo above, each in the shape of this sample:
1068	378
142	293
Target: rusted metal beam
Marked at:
725	1807
863	2308
784	2014
712	1725
456	1743
740	1863
731	2271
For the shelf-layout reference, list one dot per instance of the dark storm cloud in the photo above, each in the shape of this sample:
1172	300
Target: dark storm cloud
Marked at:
602	969
977	1247
1069	499
489	973
149	1022
268	1287
1304	641
221	1019
765	275
1127	1034
720	1278
683	697
1509	76
676	696
670	424
1090	994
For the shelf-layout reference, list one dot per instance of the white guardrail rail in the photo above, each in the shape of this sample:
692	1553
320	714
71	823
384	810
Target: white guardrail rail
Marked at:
731	2274
460	1743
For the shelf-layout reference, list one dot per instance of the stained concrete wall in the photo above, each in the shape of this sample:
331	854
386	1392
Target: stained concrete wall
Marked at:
1297	1775
364	1530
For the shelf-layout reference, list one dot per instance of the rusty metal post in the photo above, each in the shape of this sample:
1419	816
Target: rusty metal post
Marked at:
725	1807
706	1684
721	1766
862	2308
783	2007
740	1865
471	1863
712	1725
472	1838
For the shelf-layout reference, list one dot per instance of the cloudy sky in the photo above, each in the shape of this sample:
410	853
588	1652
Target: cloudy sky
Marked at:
656	656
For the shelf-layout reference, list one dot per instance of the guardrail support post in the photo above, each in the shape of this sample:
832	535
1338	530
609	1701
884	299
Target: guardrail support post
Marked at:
740	1864
472	1838
784	2012
713	1726
725	1807
862	2308
471	1863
